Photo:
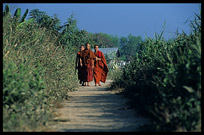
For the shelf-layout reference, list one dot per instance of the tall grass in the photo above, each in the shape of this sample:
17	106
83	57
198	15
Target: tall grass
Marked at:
164	79
37	73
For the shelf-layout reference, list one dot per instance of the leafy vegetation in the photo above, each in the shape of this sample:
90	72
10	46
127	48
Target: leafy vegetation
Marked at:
164	79
129	46
38	72
38	57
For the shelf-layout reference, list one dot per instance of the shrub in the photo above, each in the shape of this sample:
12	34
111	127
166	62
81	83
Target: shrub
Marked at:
38	72
165	78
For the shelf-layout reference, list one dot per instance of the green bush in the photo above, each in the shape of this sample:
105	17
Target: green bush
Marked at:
38	72
20	82
23	96
165	78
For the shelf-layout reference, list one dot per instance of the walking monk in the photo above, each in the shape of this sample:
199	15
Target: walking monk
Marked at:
79	66
100	67
87	57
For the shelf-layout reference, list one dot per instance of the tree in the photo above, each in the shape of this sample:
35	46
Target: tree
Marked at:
123	42
43	20
7	11
129	46
16	19
70	35
24	16
105	40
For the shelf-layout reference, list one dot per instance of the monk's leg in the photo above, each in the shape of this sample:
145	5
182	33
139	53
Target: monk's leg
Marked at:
97	77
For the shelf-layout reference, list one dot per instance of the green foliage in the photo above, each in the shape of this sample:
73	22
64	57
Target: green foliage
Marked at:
7	11
104	40
17	13
20	83
43	20
23	95
38	72
24	16
71	36
17	20
129	46
165	78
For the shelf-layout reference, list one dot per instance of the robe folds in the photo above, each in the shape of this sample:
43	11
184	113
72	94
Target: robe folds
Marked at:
80	70
100	68
87	62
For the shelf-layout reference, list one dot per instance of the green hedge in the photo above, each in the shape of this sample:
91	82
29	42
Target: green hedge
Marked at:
165	79
38	72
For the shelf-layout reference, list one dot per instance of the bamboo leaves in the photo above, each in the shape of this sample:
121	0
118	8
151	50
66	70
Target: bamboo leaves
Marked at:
17	19
24	16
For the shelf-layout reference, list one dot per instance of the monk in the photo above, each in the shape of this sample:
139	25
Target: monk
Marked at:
100	67
79	66
87	57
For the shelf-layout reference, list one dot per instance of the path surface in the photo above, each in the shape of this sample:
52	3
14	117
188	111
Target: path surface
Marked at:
96	109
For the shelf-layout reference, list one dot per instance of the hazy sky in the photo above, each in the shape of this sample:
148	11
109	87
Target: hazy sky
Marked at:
121	19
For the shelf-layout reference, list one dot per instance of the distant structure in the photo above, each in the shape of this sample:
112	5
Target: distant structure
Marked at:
111	55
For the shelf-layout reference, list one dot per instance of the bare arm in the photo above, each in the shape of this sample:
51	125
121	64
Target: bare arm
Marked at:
98	58
80	60
92	61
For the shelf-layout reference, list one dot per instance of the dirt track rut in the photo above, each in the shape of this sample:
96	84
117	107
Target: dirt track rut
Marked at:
96	109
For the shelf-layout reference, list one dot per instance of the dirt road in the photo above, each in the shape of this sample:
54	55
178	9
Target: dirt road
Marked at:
96	109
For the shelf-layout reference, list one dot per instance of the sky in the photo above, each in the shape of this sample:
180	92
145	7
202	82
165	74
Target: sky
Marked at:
121	19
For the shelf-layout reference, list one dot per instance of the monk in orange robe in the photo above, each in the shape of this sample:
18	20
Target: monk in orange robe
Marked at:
87	57
78	65
100	67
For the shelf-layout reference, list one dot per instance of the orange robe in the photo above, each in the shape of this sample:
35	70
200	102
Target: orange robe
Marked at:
100	68
80	70
87	62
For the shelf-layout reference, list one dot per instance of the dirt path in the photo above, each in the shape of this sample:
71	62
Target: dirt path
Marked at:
96	109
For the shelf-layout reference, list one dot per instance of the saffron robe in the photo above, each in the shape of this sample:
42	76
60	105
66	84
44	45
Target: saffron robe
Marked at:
100	68
87	62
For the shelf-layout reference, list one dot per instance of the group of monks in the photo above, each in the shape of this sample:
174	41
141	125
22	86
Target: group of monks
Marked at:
91	65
